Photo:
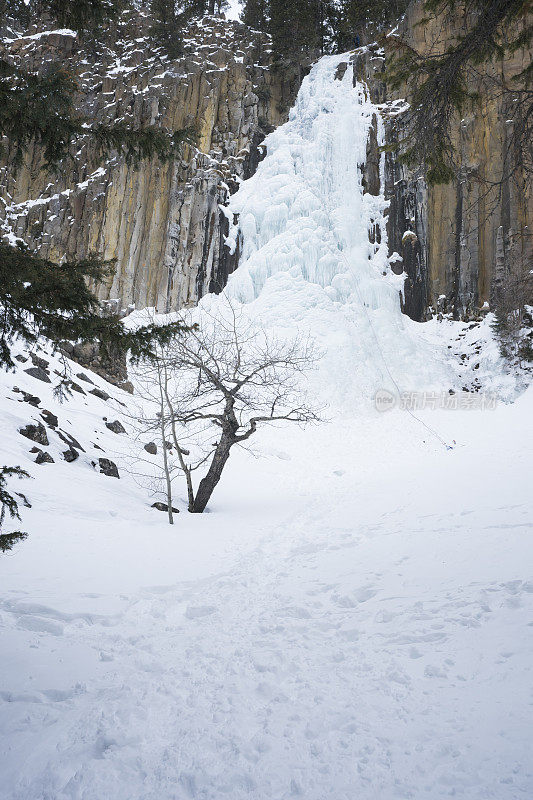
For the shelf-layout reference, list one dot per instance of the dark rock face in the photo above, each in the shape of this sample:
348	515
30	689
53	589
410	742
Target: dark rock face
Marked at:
27	397
37	433
108	363
408	199
371	177
116	426
83	377
470	233
39	373
341	70
151	448
39	362
164	507
108	467
227	262
415	286
257	152
99	393
162	220
70	455
44	458
70	440
50	418
407	236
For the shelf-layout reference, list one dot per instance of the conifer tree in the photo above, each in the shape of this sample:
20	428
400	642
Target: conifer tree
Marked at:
167	26
438	83
356	21
16	10
221	5
199	8
256	15
42	298
80	15
295	27
195	8
9	505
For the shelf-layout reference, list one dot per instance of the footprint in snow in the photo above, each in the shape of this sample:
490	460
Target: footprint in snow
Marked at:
195	612
295	612
365	594
361	596
40	625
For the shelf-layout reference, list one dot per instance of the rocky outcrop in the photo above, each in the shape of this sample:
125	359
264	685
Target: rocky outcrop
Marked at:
458	240
37	433
163	223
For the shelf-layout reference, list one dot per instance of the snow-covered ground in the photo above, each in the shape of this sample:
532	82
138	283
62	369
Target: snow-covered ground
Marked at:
352	618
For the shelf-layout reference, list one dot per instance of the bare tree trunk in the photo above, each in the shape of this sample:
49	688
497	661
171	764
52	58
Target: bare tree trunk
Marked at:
163	390
183	465
211	7
209	482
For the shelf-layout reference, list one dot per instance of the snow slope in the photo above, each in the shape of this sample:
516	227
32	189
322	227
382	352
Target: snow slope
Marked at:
352	618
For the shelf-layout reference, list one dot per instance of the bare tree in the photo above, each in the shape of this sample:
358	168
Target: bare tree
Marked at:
151	422
227	378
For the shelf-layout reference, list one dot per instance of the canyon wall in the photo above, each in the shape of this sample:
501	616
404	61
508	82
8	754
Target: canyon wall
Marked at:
162	223
458	241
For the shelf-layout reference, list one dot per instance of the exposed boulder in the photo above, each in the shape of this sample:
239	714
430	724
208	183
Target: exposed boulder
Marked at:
100	393
39	373
50	418
37	433
164	507
83	377
39	362
116	426
32	399
70	455
70	440
107	362
151	448
44	458
108	467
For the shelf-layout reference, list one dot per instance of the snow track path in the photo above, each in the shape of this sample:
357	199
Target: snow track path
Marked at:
355	642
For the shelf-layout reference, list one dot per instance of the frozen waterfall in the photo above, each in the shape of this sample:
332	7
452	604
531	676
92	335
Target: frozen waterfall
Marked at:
307	260
304	210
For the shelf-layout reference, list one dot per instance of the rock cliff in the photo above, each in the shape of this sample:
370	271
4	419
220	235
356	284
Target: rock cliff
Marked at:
162	222
165	223
458	240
